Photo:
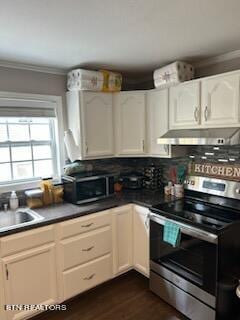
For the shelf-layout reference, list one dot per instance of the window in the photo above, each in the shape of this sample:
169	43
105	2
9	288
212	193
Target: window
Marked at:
28	148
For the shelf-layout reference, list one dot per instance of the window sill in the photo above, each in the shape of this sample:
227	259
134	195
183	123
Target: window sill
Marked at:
20	186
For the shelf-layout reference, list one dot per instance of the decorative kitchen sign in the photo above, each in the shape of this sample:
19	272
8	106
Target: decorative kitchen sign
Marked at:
215	170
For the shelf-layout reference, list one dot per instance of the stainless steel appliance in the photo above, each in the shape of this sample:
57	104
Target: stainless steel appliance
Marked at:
199	277
132	180
87	187
211	136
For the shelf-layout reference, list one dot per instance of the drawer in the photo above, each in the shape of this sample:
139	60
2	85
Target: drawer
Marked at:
88	246
26	240
84	224
86	276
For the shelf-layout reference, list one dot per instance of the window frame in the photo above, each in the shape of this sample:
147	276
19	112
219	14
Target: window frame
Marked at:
58	136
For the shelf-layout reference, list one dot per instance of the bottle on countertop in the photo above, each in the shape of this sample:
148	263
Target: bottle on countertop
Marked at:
13	201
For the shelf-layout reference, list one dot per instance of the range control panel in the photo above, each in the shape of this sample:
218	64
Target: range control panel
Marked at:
224	188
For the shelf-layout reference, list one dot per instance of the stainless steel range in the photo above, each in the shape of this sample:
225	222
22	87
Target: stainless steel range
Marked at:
199	276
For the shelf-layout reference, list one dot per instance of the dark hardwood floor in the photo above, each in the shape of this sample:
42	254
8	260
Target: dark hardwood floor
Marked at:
124	298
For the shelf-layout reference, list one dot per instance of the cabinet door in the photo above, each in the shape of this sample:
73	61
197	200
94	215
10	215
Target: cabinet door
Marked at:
157	121
130	123
185	105
2	296
30	278
220	101
97	123
122	239
141	240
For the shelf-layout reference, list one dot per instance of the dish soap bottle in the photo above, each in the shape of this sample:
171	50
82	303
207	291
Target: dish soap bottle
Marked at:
13	201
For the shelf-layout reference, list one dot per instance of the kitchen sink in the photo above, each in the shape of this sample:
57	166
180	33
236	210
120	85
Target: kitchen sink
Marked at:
14	219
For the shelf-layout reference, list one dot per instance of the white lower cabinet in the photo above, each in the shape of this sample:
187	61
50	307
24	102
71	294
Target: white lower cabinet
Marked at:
130	239
84	253
141	239
122	239
30	279
86	276
51	264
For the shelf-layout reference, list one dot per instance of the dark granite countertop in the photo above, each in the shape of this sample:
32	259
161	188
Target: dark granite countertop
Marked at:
65	211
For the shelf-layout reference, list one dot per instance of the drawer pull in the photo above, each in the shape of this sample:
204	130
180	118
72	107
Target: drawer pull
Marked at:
88	249
90	277
87	225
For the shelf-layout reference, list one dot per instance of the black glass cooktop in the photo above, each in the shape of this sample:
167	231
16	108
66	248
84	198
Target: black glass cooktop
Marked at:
198	213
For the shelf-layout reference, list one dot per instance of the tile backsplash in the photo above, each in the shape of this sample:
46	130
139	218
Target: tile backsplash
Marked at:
225	154
228	154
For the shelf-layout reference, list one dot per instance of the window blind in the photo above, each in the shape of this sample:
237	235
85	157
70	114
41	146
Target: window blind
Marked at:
27	108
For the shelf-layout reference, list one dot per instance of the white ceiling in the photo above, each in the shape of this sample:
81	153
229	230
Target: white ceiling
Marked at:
125	35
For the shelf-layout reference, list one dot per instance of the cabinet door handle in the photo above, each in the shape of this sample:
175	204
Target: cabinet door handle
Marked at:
165	146
196	114
86	147
90	277
87	225
206	113
143	145
147	220
7	272
88	249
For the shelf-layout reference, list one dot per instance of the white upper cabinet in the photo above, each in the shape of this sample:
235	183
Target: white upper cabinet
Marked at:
220	101
130	123
157	121
185	105
90	117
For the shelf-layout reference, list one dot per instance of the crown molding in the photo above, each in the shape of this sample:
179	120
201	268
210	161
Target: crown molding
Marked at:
217	59
61	71
31	67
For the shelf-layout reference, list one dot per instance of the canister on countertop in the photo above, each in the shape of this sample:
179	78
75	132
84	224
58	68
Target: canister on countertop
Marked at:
47	188
34	198
57	194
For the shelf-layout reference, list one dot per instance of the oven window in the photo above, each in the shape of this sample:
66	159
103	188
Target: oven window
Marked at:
91	189
188	259
193	259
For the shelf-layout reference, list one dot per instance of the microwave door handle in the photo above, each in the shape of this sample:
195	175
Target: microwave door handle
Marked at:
107	185
188	230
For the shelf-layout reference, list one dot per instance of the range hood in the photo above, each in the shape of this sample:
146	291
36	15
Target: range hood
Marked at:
213	136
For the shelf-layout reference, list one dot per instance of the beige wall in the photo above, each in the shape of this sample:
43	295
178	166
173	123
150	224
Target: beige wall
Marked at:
24	81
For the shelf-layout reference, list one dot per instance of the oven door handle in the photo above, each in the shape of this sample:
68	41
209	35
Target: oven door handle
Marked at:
186	229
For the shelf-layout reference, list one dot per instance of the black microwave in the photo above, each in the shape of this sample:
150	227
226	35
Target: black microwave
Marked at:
89	186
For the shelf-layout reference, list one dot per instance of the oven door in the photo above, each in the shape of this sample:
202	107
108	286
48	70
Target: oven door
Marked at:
195	259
